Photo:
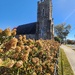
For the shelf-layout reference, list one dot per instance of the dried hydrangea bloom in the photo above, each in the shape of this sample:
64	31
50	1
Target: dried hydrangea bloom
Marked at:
13	32
11	44
19	63
1	50
47	74
50	58
51	68
24	57
35	49
10	64
15	55
22	47
20	37
24	37
1	31
20	43
48	53
24	41
34	73
52	54
7	46
13	41
18	49
39	43
27	47
39	69
30	40
35	60
31	46
7	32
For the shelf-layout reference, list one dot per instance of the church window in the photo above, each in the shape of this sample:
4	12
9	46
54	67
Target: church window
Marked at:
43	12
42	32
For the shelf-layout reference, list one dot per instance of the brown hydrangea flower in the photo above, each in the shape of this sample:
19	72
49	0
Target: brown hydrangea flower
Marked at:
24	57
24	37
7	32
39	43
1	31
34	73
20	37
10	64
1	50
19	63
22	47
13	32
15	55
11	44
18	49
20	43
35	60
47	74
52	69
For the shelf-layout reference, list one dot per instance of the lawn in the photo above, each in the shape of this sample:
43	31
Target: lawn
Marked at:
64	66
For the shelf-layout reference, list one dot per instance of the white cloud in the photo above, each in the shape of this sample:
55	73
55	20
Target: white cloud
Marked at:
69	15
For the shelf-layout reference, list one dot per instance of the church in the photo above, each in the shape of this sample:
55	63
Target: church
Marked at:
44	27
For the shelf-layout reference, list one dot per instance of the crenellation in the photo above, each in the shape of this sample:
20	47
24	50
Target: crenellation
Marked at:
41	1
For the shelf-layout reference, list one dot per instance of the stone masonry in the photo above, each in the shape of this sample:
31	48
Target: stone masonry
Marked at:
44	27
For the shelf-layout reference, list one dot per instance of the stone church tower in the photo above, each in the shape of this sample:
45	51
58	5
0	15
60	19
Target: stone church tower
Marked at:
44	27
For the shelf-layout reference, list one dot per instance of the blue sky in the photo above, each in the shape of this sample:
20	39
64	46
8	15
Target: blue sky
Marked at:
17	12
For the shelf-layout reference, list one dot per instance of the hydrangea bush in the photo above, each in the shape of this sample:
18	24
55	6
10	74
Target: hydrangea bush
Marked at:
19	56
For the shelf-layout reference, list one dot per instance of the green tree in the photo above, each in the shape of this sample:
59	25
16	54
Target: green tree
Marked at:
57	39
62	30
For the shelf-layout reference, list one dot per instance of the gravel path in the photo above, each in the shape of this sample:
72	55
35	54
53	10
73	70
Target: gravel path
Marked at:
70	55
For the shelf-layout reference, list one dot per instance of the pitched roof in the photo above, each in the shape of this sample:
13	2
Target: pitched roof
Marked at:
27	28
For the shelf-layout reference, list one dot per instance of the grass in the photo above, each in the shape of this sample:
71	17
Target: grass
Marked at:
64	66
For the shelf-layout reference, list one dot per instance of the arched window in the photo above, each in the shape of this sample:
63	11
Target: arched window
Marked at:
43	12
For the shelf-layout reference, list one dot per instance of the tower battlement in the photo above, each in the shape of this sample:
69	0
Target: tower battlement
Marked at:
41	1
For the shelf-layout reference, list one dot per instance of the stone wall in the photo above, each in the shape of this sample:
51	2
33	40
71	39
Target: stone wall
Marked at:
30	36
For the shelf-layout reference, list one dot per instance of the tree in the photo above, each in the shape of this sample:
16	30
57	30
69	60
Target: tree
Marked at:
57	39
62	30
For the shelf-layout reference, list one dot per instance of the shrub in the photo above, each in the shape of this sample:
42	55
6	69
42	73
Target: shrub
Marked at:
26	57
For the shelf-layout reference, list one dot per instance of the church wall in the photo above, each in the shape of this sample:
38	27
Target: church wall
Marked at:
30	36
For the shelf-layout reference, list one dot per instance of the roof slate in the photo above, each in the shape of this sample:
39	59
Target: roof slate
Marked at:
27	28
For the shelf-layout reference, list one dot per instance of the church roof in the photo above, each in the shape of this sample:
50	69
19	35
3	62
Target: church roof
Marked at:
27	28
